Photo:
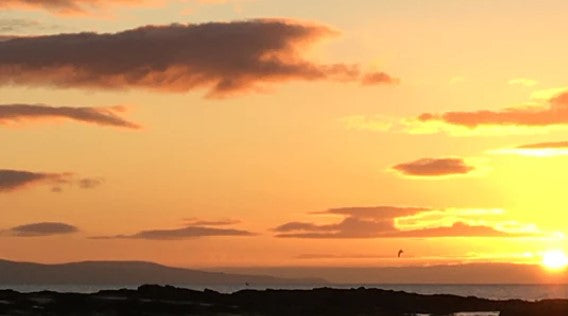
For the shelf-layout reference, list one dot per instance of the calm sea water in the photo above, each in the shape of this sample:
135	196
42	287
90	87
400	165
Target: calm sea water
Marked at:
496	291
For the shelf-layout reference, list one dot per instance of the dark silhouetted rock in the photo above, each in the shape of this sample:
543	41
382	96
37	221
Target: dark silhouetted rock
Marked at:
169	300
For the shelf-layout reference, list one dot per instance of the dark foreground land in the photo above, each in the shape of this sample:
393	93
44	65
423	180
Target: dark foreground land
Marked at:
167	300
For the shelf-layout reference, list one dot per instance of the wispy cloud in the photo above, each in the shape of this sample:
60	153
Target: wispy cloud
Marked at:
379	123
526	257
547	145
18	25
10	113
342	256
224	57
554	114
403	222
375	78
41	229
12	180
516	120
65	6
194	230
90	183
432	167
546	149
221	222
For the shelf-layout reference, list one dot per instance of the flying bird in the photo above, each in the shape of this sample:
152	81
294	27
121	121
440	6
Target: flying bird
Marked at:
400	252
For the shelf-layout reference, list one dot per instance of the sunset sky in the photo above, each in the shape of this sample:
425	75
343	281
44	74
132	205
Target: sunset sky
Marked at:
207	133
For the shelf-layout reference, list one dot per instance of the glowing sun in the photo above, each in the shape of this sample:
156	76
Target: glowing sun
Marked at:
555	260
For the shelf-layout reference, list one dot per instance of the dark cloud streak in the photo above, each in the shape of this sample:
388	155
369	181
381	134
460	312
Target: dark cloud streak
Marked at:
555	114
378	78
62	6
90	183
42	229
434	167
11	180
99	116
224	57
187	232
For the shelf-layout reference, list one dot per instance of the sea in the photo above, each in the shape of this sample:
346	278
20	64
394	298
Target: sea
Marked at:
489	291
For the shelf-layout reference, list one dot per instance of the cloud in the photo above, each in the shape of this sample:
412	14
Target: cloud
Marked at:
374	212
458	229
11	180
548	145
468	257
375	78
358	222
224	57
342	256
90	183
42	229
434	167
98	116
556	113
16	25
195	230
383	222
380	123
222	222
63	6
546	149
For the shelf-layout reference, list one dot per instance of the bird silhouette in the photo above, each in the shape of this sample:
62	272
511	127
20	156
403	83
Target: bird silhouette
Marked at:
400	252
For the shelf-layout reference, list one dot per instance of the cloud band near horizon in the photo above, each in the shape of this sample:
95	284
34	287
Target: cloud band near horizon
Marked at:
381	222
194	230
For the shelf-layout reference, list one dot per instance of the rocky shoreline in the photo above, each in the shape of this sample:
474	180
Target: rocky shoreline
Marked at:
168	300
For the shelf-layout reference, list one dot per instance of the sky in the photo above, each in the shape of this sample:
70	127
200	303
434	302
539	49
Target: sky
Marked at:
241	133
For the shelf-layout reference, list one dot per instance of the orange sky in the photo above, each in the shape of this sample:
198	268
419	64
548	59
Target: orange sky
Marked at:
283	133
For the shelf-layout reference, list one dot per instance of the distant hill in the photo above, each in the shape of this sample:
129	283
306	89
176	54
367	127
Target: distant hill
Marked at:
475	273
128	273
